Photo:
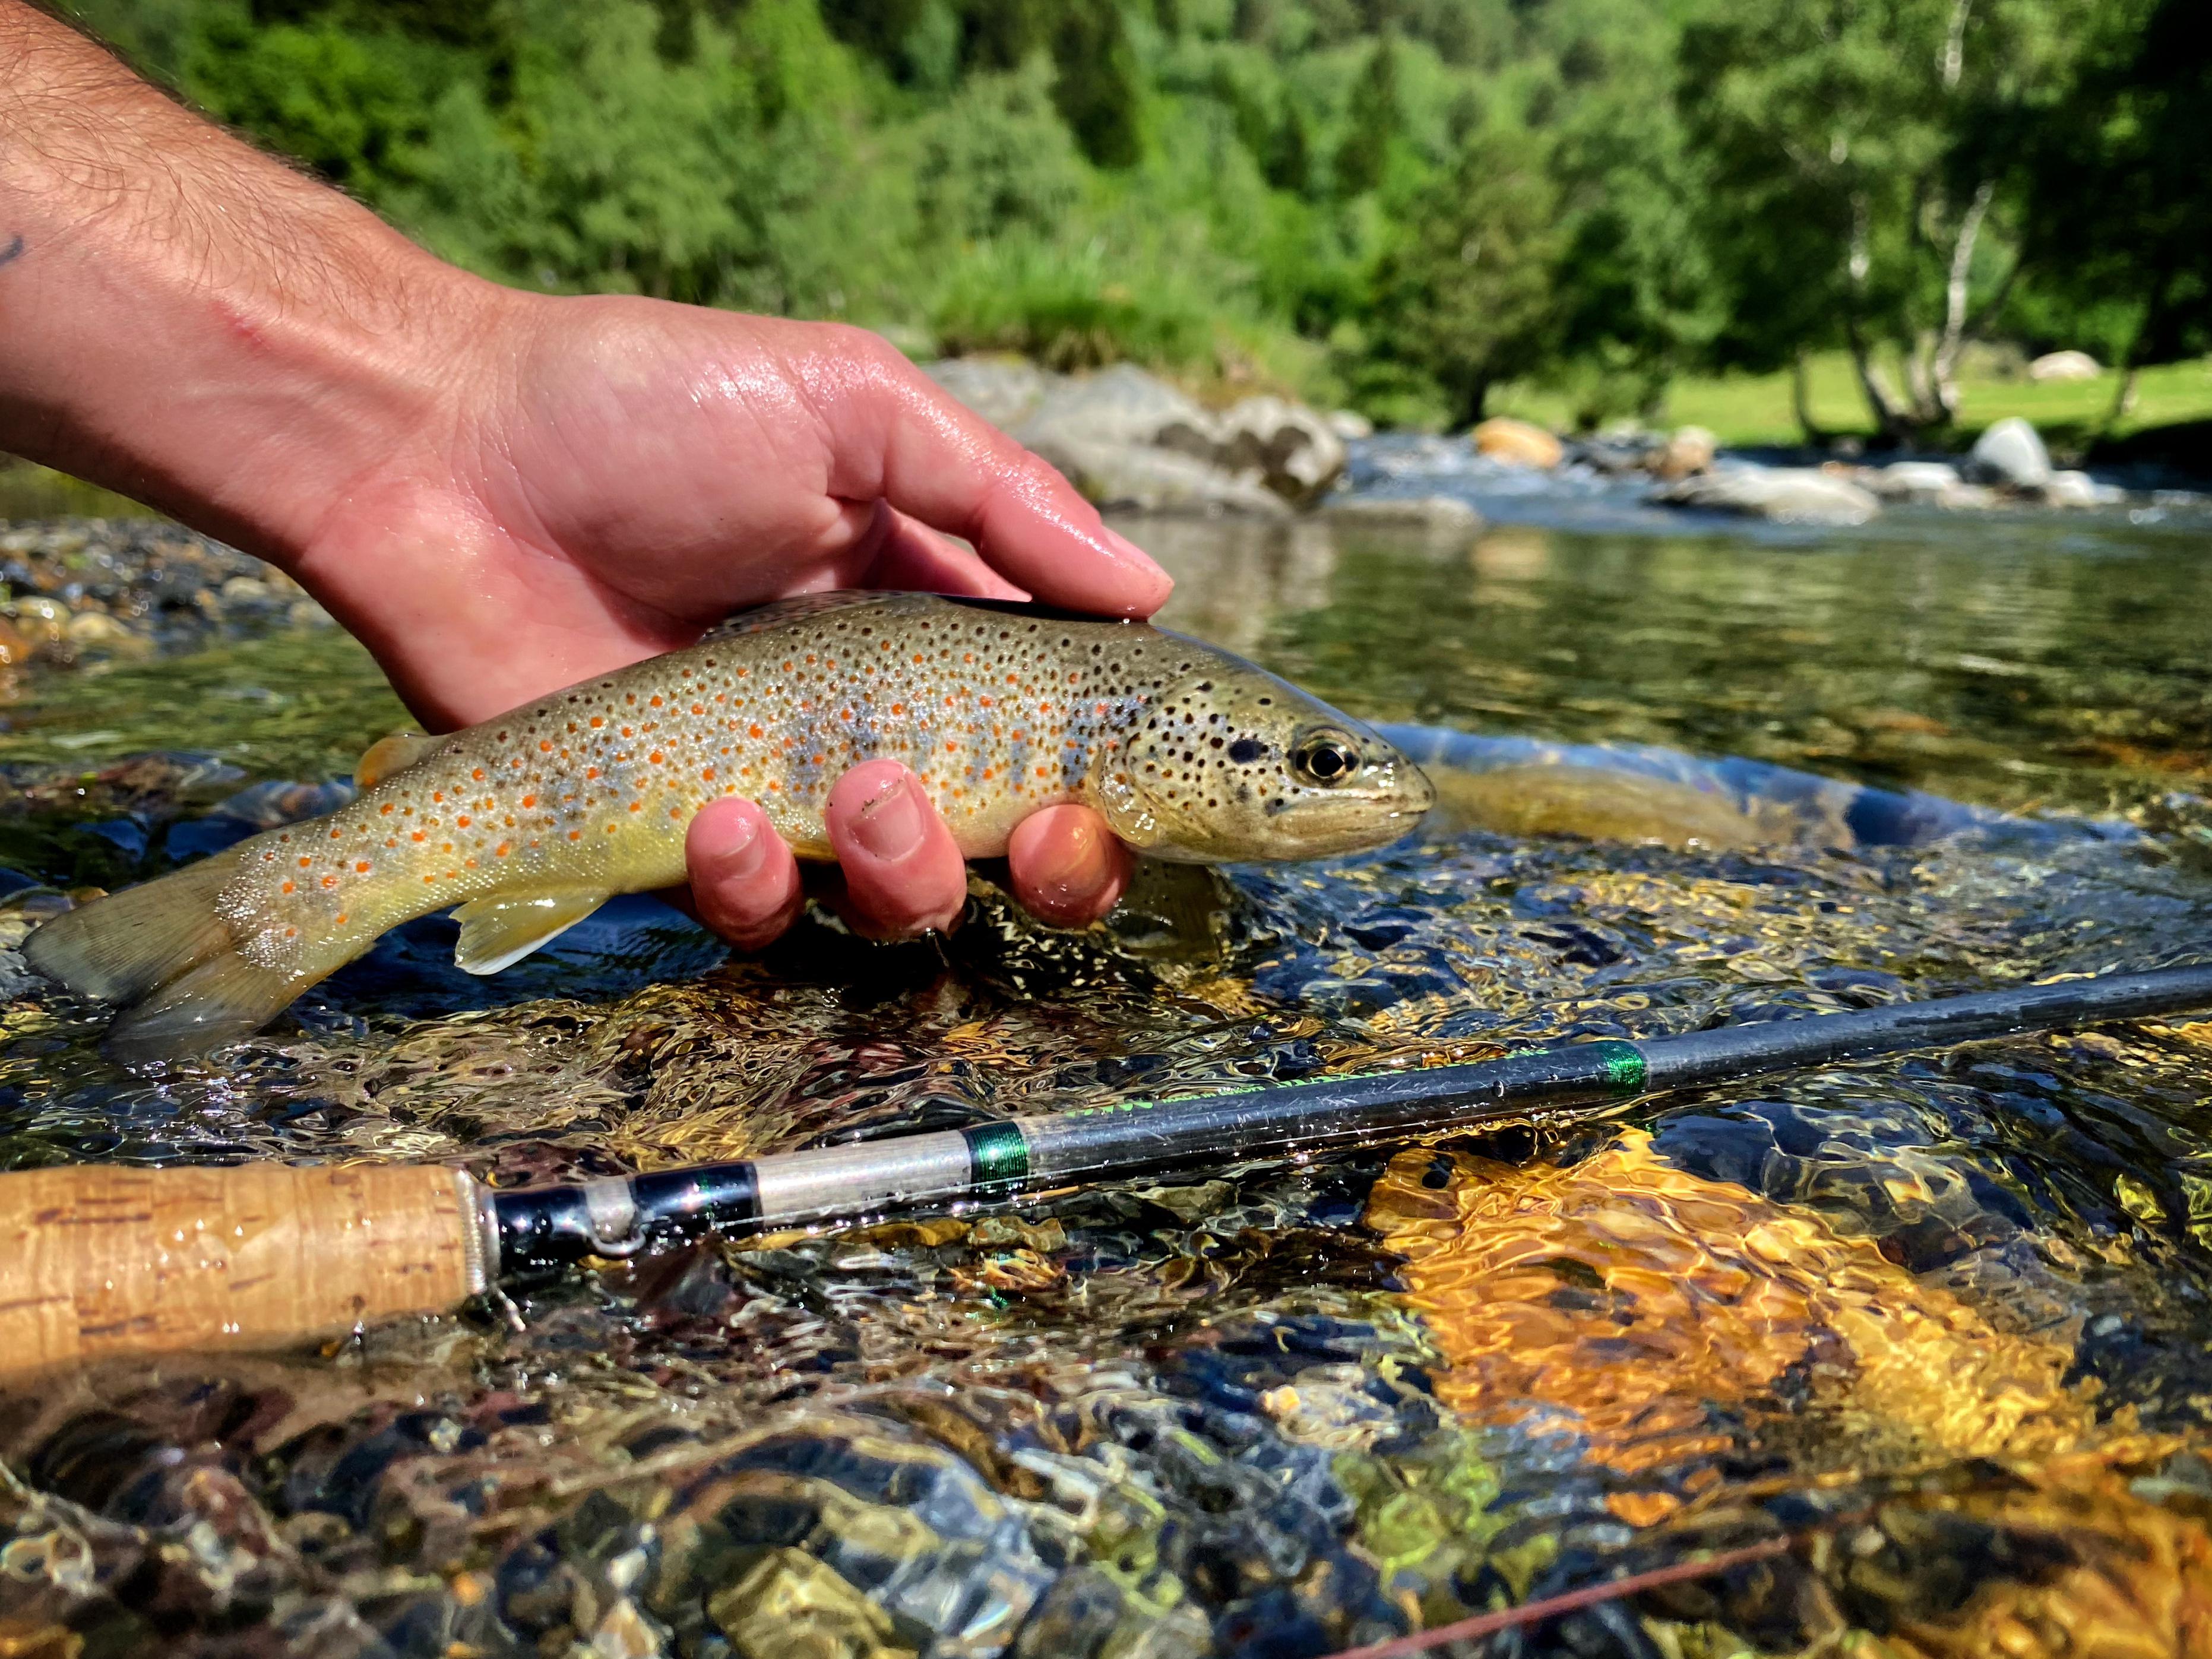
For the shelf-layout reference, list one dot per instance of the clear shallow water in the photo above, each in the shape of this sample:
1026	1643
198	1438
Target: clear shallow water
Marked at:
1941	1321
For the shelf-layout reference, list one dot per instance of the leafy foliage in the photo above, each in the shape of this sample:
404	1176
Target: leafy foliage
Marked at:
1403	203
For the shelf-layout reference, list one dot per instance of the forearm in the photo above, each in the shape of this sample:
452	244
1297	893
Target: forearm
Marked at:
189	322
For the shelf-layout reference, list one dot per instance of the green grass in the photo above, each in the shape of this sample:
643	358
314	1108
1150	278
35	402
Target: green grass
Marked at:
1755	408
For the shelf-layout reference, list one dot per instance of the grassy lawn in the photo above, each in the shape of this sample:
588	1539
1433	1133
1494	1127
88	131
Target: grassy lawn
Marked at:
1755	408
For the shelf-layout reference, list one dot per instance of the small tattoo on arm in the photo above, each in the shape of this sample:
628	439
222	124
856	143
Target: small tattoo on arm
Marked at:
12	253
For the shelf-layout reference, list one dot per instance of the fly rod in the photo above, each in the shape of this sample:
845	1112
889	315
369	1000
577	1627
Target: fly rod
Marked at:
108	1259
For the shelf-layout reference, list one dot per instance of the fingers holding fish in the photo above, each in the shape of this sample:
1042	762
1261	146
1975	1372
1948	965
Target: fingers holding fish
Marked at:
903	874
1069	868
744	881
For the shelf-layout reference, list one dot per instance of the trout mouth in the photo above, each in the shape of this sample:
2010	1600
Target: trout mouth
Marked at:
1388	799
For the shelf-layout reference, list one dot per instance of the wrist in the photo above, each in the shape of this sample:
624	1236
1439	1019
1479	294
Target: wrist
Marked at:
194	325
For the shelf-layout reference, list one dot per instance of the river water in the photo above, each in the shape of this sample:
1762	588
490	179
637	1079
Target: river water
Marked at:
1939	1323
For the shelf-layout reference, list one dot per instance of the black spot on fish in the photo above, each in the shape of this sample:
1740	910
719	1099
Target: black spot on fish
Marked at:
1245	751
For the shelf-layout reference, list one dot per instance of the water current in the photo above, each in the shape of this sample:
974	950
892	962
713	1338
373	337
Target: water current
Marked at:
1942	1324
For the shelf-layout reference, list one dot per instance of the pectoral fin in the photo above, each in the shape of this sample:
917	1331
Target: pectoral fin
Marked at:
497	932
388	755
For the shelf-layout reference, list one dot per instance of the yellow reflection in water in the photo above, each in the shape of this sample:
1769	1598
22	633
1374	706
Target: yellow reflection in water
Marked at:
1630	1296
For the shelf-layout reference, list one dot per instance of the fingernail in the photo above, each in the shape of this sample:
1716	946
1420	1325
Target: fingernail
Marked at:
739	854
1133	555
890	826
1077	865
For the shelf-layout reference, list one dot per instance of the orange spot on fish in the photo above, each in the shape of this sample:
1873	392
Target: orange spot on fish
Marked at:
304	863
462	822
898	708
635	806
656	701
361	867
288	887
578	835
529	801
754	731
596	722
503	849
416	835
654	757
330	881
707	773
477	774
342	918
386	809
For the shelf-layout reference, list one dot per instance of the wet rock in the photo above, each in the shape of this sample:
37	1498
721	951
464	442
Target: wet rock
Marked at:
1137	478
1911	481
1349	424
2065	365
1786	495
2071	488
1003	390
1294	450
1502	438
1098	429
2010	453
1688	451
1440	518
1118	405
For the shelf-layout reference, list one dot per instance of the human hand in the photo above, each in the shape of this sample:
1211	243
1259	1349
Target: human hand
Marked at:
500	493
619	474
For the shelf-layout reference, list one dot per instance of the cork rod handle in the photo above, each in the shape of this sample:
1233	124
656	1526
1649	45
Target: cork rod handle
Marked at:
99	1259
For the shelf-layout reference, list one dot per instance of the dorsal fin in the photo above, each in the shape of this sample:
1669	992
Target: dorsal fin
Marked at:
778	612
393	752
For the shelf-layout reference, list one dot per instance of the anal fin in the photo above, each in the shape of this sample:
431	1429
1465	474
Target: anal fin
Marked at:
501	931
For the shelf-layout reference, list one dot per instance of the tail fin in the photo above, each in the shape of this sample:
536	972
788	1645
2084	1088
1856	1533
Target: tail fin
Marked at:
163	951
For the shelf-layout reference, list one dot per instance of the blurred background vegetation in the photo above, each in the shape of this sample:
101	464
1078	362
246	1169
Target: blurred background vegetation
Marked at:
1776	216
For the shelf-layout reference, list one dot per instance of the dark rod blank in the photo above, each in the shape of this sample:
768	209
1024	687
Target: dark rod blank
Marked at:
542	1227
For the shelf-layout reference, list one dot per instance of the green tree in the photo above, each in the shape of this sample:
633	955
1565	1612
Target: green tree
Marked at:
2120	179
1096	91
1465	295
1373	119
1847	197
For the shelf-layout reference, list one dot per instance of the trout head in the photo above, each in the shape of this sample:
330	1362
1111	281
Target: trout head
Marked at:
1229	763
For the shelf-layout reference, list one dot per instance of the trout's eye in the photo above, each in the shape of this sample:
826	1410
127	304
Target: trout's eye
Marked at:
1326	758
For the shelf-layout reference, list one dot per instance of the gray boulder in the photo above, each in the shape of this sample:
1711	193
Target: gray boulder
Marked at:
1786	495
1294	449
1118	405
1139	479
2071	488
2010	453
1003	390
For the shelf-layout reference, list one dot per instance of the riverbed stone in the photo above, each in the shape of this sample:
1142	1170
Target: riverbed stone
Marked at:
1123	404
2065	365
2069	488
1786	495
1003	390
1138	478
1688	451
1505	439
2011	453
1293	448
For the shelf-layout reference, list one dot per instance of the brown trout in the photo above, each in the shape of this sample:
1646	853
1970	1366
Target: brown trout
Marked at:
530	822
